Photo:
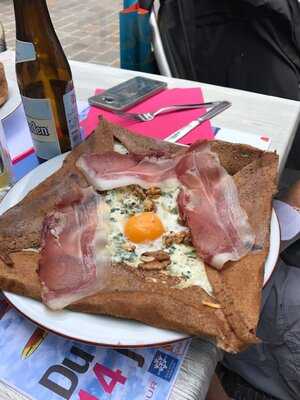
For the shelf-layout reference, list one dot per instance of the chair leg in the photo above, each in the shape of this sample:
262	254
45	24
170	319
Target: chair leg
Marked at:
2	38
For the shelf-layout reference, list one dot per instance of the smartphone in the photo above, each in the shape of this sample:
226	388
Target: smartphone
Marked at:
127	94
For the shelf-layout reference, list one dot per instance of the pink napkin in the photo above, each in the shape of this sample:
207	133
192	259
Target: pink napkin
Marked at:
163	125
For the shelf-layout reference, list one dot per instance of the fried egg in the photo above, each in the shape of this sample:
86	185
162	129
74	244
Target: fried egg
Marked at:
134	231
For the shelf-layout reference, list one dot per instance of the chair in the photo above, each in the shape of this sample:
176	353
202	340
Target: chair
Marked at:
158	48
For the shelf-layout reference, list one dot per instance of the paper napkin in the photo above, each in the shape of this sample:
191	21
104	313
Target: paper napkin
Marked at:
163	125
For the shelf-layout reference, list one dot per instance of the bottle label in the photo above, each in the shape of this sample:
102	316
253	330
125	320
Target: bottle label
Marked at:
5	164
41	123
72	118
25	51
5	177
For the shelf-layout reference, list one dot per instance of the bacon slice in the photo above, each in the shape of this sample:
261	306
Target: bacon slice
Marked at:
209	205
74	262
112	170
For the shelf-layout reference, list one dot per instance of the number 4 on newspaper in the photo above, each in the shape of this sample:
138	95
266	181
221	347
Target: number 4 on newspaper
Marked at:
102	373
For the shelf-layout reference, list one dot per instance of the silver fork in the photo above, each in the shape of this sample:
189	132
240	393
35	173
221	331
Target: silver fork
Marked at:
149	116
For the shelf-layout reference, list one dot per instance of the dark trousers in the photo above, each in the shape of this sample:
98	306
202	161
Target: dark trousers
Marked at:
237	388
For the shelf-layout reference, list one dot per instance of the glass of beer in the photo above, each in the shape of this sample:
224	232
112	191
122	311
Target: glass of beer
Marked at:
6	175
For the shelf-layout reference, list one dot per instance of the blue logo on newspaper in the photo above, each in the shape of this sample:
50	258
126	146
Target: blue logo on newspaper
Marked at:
163	366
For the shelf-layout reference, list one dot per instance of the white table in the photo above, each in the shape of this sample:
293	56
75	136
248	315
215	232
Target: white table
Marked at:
250	112
254	113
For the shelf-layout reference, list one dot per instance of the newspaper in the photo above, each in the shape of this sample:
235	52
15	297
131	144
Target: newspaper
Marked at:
45	366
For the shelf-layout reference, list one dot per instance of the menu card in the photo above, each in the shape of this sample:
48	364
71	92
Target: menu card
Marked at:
49	367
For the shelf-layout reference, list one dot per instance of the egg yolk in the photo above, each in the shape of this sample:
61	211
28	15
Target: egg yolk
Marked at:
143	227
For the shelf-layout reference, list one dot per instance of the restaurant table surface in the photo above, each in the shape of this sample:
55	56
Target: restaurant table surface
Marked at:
254	113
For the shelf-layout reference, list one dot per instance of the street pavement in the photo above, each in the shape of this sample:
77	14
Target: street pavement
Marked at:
88	29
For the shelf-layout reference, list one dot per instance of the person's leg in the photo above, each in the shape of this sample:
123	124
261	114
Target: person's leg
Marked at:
216	391
237	388
293	161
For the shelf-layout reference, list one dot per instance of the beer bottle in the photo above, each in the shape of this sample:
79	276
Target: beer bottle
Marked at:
45	81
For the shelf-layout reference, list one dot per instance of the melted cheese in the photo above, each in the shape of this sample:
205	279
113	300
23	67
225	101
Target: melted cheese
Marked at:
187	265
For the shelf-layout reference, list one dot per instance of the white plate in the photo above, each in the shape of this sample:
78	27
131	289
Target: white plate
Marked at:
273	255
97	329
13	101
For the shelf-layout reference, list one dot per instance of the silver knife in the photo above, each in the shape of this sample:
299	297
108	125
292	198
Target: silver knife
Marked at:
219	107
